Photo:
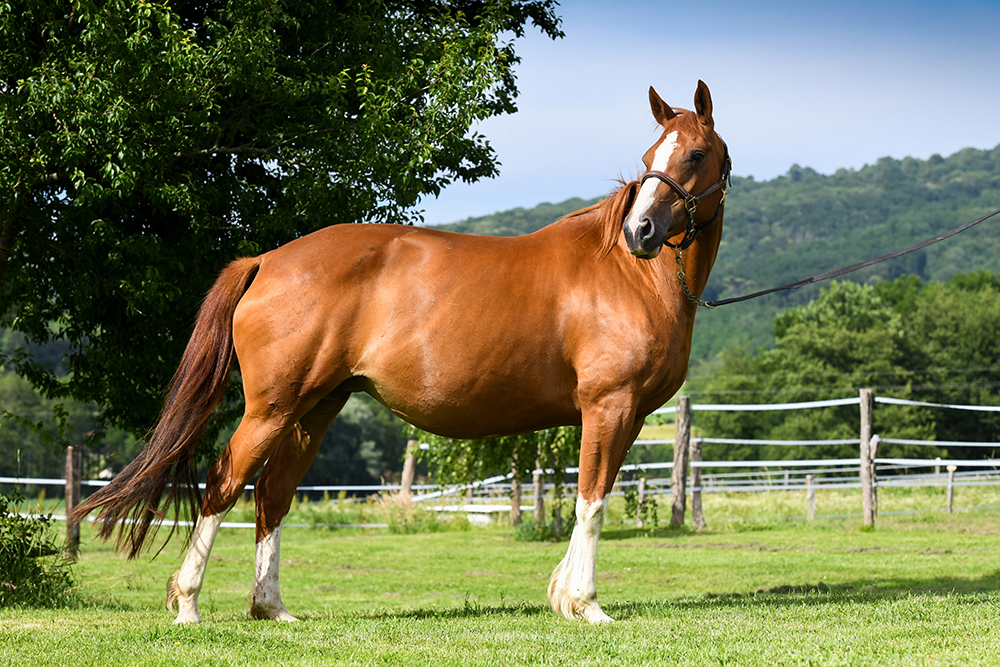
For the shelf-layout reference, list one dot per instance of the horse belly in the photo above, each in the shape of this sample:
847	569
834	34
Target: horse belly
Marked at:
458	389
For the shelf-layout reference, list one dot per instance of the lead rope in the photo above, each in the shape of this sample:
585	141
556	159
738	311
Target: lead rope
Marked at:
682	278
839	272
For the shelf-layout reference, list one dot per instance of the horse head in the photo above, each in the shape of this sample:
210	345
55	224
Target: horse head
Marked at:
689	157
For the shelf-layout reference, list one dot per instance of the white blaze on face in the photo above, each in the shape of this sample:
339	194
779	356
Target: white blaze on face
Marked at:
661	158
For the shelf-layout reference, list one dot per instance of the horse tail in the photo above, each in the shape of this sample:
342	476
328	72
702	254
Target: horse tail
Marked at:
132	501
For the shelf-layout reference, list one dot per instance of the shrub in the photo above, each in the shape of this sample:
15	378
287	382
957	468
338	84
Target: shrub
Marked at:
408	517
33	572
529	531
644	510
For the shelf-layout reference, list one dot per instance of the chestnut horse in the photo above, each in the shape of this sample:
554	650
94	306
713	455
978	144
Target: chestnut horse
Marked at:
465	336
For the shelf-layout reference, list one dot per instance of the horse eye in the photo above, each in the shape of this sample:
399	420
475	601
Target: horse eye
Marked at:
697	156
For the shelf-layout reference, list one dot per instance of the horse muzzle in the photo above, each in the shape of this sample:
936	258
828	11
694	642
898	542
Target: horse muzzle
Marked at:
642	238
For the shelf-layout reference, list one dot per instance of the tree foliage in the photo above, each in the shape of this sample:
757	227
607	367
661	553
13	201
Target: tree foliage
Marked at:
143	145
927	341
454	461
364	446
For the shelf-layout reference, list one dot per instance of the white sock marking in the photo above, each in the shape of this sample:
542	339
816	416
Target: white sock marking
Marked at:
192	573
267	591
572	589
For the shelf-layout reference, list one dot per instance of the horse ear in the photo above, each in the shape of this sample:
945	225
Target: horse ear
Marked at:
661	110
703	104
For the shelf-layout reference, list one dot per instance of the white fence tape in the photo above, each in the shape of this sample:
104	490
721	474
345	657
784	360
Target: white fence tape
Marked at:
939	443
759	407
903	401
744	441
929	463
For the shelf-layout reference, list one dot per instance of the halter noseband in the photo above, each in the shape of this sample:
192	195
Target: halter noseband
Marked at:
691	201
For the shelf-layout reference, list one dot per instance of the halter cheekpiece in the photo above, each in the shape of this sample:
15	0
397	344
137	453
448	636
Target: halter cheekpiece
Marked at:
691	201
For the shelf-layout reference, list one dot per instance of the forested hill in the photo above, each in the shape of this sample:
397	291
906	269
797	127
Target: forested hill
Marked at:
804	223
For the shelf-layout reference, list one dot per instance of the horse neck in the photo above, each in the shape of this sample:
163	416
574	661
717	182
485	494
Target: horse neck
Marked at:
699	260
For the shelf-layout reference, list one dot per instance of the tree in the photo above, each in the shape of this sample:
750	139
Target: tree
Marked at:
144	145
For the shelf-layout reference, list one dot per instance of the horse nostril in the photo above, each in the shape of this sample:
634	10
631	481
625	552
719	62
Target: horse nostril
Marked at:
646	229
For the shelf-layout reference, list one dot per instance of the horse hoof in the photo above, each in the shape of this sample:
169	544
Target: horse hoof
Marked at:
571	607
185	617
594	614
262	613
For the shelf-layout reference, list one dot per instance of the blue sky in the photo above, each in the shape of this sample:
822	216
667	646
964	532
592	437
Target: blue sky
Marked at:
819	84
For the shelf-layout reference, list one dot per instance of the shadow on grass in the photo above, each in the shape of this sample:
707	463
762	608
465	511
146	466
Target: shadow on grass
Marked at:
469	610
617	534
814	595
665	531
779	596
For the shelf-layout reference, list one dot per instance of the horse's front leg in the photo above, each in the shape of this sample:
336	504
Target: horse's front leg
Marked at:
608	432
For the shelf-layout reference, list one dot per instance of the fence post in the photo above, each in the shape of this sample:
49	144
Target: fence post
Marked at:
409	471
867	461
515	493
640	496
951	485
697	515
678	478
810	498
872	455
74	465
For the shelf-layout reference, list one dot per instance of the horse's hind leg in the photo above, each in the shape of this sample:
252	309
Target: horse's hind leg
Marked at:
283	472
250	446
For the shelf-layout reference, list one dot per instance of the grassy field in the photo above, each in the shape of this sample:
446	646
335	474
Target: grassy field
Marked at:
924	588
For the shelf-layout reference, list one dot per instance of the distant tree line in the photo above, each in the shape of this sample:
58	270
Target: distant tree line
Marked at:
906	338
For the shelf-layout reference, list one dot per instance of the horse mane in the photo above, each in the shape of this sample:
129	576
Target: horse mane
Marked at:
611	212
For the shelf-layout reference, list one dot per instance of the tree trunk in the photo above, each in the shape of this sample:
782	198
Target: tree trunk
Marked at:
538	482
409	471
10	227
557	520
678	477
515	493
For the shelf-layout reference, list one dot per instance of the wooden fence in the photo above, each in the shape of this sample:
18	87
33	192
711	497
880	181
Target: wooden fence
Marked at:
687	465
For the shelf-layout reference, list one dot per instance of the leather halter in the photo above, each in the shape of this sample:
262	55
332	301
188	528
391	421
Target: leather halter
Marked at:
691	201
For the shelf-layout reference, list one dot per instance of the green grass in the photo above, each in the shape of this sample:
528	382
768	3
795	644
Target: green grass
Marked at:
923	588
